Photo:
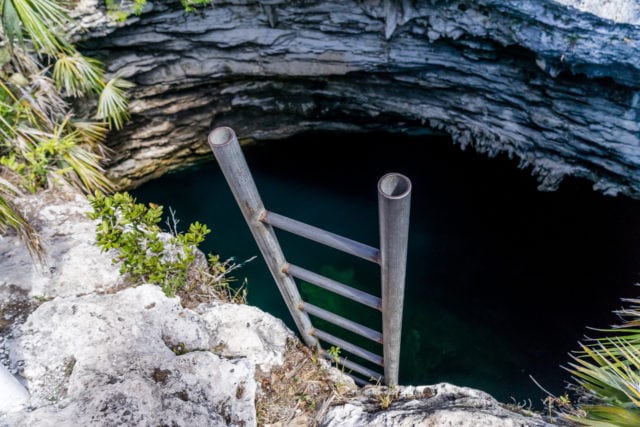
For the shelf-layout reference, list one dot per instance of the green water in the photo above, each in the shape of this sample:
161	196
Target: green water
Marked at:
502	279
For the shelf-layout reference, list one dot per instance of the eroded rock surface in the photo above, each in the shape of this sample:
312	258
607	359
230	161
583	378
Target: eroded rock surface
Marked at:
439	405
552	85
131	358
74	264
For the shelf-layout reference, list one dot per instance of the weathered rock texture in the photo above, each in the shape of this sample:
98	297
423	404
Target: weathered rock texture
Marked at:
75	264
109	360
554	86
118	360
438	405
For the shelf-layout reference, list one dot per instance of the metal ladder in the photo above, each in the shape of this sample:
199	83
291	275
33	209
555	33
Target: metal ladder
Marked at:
394	199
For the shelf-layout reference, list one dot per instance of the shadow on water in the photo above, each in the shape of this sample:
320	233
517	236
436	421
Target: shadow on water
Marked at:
502	279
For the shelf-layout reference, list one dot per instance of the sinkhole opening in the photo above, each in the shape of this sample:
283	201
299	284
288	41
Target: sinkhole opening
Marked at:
502	280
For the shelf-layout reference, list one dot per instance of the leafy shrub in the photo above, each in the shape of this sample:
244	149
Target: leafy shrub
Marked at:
147	254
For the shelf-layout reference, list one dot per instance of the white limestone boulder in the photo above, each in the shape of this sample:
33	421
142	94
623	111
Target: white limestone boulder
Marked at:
75	265
243	330
132	358
438	405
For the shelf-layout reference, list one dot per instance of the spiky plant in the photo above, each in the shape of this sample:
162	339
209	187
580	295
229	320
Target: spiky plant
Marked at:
39	21
11	218
607	373
112	106
77	75
41	139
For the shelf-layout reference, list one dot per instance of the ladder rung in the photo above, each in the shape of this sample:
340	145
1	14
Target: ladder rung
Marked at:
342	322
333	286
321	236
353	366
359	381
351	348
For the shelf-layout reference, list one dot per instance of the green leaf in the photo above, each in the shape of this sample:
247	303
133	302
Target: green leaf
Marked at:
78	75
42	20
113	103
11	22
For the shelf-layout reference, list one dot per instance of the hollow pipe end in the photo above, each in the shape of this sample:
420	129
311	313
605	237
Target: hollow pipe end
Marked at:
394	186
221	136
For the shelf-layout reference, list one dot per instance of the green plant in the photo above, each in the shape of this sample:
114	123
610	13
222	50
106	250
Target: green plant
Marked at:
387	396
147	255
41	298
10	218
179	349
42	138
40	21
334	352
190	5
557	403
143	252
121	10
607	373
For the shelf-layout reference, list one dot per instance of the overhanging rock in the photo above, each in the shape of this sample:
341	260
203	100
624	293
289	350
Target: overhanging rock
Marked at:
551	85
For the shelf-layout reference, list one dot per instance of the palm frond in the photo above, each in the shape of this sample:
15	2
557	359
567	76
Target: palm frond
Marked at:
46	95
8	114
38	139
614	373
40	104
607	371
113	103
78	75
11	218
11	25
87	174
606	416
91	133
42	20
23	60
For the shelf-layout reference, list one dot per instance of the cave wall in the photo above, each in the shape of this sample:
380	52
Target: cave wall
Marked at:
553	86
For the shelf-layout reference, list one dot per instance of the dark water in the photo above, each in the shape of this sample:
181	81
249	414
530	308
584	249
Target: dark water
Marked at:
502	279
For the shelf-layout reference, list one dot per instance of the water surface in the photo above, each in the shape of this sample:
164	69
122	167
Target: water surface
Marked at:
502	279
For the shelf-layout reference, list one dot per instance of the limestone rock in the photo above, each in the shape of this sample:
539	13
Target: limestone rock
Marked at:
550	84
91	355
245	331
75	265
624	11
132	358
90	16
439	405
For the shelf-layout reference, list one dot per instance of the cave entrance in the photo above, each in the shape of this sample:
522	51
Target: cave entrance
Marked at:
502	280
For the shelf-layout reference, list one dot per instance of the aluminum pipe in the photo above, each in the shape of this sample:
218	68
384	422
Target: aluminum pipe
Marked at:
226	149
394	204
